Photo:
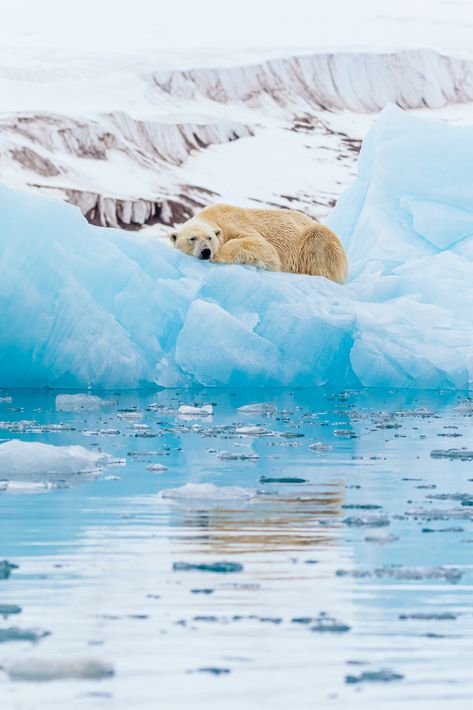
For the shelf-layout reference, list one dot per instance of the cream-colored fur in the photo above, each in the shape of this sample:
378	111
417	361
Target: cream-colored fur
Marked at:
276	240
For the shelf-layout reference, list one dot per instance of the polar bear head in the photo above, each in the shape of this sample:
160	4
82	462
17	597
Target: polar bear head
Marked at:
197	238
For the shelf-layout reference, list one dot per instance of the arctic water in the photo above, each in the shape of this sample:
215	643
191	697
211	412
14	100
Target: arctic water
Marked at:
235	548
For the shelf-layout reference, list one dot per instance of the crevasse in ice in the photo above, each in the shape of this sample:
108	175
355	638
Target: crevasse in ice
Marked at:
83	306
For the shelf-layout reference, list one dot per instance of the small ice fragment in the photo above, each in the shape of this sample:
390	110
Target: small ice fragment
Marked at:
15	634
80	403
265	408
252	431
205	410
319	446
43	669
232	456
381	539
282	479
382	676
223	567
6	568
452	454
6	400
328	625
449	574
156	467
8	609
430	616
369	521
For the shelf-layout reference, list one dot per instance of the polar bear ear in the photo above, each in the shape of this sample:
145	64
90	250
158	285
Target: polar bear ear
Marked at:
173	237
218	232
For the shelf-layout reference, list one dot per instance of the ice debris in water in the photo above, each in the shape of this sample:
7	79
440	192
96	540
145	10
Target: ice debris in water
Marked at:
33	458
80	403
409	236
368	521
156	467
15	634
9	609
264	408
430	616
449	574
282	479
202	492
6	569
43	669
204	411
234	456
462	454
382	676
319	446
223	567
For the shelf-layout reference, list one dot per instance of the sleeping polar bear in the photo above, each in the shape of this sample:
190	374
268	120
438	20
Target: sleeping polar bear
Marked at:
276	240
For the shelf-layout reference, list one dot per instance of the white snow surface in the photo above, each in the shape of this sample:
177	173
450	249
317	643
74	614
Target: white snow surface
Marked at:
105	308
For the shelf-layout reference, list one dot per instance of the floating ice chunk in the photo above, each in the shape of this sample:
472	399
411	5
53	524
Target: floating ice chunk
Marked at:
9	609
449	574
201	492
319	446
6	568
43	669
265	408
24	457
367	521
460	454
156	467
253	431
382	676
203	411
15	634
234	456
80	403
223	567
404	319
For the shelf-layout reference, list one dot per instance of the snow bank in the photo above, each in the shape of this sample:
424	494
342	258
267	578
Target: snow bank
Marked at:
83	306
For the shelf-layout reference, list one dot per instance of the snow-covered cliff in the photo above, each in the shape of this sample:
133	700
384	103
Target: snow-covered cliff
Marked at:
134	145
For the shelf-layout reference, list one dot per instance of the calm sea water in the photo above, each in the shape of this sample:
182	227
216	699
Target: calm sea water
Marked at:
337	575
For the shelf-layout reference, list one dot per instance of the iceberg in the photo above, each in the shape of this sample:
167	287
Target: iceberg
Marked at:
86	306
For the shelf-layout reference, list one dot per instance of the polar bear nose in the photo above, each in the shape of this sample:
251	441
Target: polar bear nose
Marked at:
205	254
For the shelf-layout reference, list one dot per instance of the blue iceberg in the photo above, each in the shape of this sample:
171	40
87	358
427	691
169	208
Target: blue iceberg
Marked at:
83	306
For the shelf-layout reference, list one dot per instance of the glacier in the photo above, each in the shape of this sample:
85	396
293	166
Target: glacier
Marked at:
86	306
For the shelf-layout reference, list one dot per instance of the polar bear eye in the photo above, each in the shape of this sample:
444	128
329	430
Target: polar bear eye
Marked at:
193	239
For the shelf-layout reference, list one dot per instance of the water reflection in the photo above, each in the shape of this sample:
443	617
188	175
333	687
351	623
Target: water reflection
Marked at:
351	551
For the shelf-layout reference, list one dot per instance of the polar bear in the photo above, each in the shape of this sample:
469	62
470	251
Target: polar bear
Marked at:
276	240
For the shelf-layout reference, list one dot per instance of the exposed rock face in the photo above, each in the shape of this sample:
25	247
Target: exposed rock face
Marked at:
360	82
127	167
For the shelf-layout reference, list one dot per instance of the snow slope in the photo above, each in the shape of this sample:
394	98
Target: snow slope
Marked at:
135	141
86	306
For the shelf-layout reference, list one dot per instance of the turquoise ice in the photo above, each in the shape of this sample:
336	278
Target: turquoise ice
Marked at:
83	306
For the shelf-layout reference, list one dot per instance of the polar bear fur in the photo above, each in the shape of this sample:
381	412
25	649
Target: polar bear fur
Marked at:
276	240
